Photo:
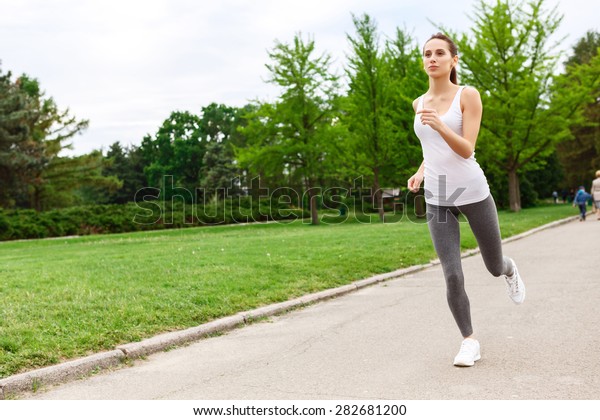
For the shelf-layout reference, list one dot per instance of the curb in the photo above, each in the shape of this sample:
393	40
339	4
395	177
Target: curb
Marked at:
31	381
76	369
540	228
176	338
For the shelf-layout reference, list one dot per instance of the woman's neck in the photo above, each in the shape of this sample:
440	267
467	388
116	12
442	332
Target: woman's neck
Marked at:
440	87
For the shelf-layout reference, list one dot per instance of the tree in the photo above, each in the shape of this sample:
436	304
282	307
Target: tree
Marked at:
175	151
410	81
17	115
219	171
509	59
261	156
369	100
405	59
218	122
125	164
35	132
383	84
219	128
53	179
584	50
581	156
296	135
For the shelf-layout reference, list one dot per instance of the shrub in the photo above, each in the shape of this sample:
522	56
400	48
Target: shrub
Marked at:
130	217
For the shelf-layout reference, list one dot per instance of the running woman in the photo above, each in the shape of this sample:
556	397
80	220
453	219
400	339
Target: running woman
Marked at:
447	121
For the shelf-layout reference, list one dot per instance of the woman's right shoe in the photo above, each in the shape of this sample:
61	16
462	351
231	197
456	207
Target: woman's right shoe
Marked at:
469	353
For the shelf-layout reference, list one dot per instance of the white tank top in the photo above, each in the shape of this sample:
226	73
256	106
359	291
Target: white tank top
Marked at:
450	179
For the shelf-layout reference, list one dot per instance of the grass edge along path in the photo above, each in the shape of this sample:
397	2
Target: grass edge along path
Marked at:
65	299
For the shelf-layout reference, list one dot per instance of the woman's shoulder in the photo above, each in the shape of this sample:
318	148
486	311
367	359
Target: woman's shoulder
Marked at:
470	98
470	92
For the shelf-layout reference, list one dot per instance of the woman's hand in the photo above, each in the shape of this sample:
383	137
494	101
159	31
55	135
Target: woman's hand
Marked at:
431	118
414	182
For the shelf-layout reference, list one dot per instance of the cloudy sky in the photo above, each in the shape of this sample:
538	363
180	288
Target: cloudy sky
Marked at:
125	65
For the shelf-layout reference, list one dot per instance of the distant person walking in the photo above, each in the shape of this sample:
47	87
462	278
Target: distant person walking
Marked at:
596	193
447	121
580	200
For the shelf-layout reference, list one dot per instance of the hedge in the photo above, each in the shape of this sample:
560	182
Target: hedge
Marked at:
131	217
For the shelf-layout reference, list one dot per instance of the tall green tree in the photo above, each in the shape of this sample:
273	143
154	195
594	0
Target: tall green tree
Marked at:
296	134
35	134
383	83
17	115
509	57
580	157
52	177
369	102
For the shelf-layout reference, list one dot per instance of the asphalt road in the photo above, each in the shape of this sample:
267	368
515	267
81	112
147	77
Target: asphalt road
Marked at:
397	340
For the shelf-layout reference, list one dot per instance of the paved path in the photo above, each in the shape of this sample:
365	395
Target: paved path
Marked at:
397	340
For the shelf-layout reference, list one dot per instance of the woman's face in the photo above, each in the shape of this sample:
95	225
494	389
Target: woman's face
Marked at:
437	59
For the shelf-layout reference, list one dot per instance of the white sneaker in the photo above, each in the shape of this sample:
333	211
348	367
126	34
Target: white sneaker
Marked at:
516	287
469	353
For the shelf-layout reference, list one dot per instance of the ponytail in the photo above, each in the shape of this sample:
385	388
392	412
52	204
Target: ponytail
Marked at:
453	76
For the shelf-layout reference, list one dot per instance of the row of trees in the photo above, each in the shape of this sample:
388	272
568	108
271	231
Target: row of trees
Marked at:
319	134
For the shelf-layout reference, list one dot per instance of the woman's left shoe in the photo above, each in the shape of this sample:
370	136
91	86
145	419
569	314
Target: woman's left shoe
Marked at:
516	287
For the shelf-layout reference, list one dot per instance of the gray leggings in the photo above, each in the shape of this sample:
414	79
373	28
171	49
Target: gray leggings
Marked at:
444	229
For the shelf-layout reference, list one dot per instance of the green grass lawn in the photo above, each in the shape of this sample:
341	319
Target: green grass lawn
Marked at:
69	297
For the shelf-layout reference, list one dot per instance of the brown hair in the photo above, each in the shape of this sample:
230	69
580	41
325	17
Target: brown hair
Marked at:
453	48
